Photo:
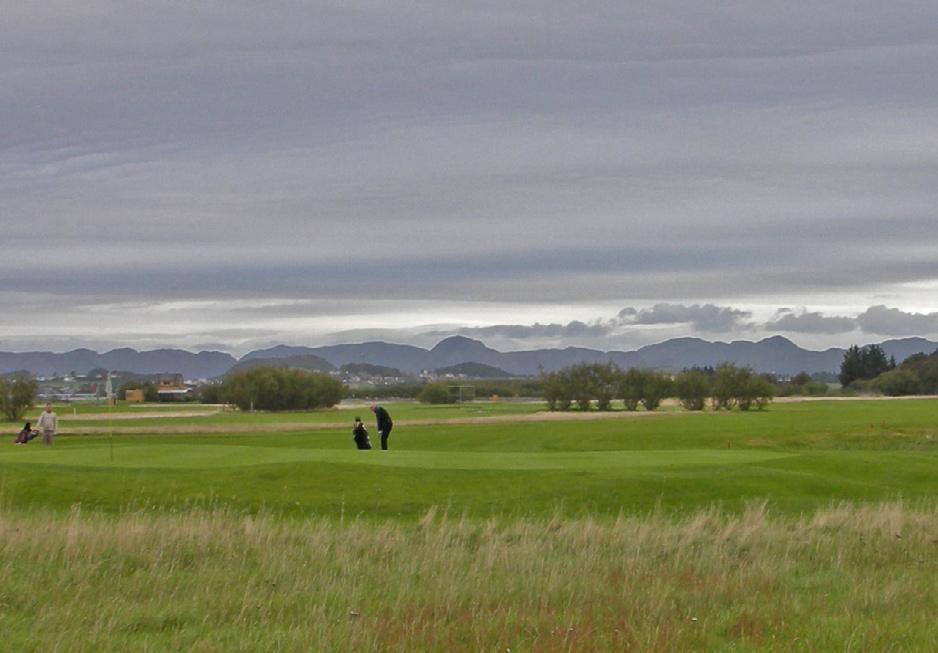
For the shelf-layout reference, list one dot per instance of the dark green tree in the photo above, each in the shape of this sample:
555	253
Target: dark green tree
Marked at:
864	363
875	361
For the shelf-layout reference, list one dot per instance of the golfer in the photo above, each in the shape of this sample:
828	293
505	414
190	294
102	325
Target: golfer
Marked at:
26	434
384	424
48	423
360	434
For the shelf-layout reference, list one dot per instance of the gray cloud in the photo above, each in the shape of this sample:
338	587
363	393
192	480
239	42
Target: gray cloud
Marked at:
879	320
364	155
571	330
810	322
894	322
705	318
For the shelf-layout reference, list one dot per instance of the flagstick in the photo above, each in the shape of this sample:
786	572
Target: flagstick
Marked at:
110	423
109	390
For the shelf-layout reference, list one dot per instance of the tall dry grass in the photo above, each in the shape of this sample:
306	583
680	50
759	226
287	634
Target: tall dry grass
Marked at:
846	578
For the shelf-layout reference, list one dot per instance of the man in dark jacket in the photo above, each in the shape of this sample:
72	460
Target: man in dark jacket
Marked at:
384	424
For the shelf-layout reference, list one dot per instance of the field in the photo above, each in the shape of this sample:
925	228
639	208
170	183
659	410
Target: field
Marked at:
489	526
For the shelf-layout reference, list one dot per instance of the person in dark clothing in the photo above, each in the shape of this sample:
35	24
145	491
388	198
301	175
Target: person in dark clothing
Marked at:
360	434
384	424
26	434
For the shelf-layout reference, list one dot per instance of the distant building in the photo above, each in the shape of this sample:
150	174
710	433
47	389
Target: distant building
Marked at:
133	396
172	387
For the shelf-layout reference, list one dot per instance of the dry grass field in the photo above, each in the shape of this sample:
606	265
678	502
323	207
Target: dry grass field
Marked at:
841	579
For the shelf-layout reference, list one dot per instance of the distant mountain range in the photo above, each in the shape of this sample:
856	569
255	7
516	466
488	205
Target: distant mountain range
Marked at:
204	364
775	354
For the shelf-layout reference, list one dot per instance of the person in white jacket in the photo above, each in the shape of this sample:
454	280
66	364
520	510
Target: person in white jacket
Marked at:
47	423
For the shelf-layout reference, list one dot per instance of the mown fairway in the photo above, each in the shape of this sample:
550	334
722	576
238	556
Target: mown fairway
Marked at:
807	527
798	456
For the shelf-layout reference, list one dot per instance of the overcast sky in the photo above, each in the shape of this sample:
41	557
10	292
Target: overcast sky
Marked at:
234	174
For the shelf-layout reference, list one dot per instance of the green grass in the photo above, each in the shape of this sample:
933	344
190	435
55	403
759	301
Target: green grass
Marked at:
806	527
214	456
797	456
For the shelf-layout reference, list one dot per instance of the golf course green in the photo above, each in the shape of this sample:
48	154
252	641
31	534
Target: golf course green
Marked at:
485	460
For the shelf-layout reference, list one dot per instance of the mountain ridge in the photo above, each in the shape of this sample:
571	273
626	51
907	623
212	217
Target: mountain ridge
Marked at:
773	354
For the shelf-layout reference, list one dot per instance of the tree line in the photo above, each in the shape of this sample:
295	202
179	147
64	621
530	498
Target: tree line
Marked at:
866	369
598	385
864	363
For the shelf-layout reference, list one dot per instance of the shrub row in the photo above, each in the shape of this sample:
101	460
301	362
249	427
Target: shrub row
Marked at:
727	386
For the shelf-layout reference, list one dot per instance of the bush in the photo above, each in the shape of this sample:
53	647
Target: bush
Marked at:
557	390
803	385
601	383
211	394
268	388
862	387
588	382
739	386
17	395
755	391
581	383
655	387
815	389
605	377
728	379
630	387
897	383
692	389
925	369
435	393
